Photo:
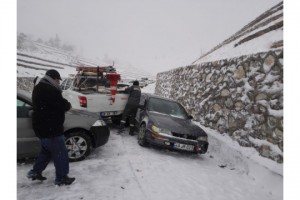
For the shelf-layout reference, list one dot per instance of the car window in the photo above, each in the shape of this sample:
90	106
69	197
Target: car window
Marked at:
21	103
171	108
23	108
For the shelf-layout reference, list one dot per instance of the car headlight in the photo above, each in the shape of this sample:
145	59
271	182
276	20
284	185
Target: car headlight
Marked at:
160	130
202	138
99	123
155	129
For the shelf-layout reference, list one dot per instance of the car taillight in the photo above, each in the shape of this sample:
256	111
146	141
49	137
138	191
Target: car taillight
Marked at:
82	101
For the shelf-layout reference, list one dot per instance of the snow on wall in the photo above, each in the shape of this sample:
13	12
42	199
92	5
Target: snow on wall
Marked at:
242	97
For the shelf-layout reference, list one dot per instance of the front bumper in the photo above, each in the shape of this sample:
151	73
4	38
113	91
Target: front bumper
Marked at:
170	142
100	135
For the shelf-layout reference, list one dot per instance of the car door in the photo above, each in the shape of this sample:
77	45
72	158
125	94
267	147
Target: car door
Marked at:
27	143
141	112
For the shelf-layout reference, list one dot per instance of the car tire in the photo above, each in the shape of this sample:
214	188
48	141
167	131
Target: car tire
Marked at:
78	145
141	135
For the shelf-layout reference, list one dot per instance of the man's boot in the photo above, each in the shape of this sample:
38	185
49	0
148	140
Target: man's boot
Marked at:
35	176
131	130
65	181
122	127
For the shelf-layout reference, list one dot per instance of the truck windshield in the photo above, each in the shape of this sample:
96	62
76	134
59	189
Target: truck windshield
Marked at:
89	83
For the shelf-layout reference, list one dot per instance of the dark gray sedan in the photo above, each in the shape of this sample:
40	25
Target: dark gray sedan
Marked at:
166	123
83	131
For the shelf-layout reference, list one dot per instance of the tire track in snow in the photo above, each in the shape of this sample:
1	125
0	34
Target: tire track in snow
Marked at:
135	178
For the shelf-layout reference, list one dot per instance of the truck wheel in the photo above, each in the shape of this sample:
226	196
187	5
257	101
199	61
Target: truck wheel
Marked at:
78	145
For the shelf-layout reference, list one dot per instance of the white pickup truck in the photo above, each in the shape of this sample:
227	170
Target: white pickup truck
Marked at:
87	92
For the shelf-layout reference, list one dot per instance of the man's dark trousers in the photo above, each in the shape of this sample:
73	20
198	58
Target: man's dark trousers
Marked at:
129	111
54	148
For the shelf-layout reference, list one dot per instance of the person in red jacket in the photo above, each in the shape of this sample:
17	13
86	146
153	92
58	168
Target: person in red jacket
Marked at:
48	117
131	107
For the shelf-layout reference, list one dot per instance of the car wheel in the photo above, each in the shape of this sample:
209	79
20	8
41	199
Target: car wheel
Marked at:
78	144
141	135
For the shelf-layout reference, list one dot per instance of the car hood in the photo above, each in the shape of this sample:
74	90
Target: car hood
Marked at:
175	124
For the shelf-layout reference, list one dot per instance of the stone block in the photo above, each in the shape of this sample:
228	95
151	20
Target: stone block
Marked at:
240	73
238	105
278	134
268	63
225	93
261	96
264	150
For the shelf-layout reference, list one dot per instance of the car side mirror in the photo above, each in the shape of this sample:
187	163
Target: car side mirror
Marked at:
190	117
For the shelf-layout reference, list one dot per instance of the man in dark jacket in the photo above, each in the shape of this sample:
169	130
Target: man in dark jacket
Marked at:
131	107
47	121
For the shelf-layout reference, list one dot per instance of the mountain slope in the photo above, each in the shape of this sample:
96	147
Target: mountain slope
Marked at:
262	34
34	59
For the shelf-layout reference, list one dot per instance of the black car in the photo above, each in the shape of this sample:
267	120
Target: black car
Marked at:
165	122
83	131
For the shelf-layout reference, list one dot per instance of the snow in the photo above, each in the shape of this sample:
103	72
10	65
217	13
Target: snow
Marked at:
121	169
260	44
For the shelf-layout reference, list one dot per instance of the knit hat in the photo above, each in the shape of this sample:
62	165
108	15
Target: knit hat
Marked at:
136	83
53	74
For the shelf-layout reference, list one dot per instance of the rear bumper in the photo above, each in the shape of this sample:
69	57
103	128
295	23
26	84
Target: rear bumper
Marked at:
168	141
100	134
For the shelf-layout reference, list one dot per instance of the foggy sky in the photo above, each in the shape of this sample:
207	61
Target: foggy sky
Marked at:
155	35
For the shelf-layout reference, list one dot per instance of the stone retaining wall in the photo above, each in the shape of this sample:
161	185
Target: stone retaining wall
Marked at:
241	97
25	83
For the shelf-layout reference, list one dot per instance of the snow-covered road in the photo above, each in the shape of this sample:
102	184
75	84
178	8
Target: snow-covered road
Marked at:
122	169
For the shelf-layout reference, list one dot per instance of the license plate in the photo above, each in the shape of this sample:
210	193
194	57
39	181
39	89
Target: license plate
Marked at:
184	146
103	114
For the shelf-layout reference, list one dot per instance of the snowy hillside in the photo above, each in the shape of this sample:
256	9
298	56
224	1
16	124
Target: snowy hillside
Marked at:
261	35
36	58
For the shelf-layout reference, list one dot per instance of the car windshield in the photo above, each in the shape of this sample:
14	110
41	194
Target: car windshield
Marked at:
166	107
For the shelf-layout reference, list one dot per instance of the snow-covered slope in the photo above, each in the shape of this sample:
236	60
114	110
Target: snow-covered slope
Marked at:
262	34
36	58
